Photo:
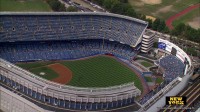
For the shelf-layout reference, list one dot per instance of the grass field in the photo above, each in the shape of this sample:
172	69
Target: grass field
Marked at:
101	71
163	10
189	18
146	64
24	5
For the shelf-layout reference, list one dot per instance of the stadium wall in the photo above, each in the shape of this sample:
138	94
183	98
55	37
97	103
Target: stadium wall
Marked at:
11	102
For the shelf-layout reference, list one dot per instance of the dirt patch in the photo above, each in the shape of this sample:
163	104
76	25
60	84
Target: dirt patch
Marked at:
195	23
151	17
165	9
65	74
152	2
141	3
138	3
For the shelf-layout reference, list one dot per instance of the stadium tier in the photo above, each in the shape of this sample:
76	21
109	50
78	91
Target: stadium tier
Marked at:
69	26
63	50
173	67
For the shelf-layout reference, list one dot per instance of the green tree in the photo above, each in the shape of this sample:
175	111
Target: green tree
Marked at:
178	29
117	8
130	12
100	2
56	5
150	23
156	24
161	26
72	9
124	1
107	4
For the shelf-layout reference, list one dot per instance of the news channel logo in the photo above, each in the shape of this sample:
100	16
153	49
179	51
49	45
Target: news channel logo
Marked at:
176	100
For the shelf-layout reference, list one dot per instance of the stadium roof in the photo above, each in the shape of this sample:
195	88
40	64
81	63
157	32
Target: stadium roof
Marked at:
73	13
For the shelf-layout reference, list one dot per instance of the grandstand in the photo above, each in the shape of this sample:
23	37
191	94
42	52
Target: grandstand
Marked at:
65	36
62	26
63	50
172	66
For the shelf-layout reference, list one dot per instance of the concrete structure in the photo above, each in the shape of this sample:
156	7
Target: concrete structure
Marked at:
147	41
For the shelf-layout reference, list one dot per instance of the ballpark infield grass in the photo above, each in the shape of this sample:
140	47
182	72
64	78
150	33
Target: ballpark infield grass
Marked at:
49	73
24	5
100	71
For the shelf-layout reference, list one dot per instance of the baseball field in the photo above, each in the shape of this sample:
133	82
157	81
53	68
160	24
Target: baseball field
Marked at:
24	5
98	71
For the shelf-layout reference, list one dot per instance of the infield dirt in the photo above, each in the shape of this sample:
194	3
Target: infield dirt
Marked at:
65	74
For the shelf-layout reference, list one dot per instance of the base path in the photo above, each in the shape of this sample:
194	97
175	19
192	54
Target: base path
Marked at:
65	74
174	17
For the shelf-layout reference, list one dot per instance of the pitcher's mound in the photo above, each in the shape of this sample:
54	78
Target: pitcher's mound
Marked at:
42	73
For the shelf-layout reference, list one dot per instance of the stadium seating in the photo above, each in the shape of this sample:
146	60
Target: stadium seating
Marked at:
57	50
173	67
67	27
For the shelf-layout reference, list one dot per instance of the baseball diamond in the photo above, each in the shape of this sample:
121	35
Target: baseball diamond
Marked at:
94	71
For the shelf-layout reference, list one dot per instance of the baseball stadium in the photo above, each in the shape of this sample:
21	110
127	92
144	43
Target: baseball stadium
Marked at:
58	61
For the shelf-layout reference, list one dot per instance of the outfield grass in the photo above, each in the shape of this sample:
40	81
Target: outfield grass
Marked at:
160	10
101	71
24	5
146	64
